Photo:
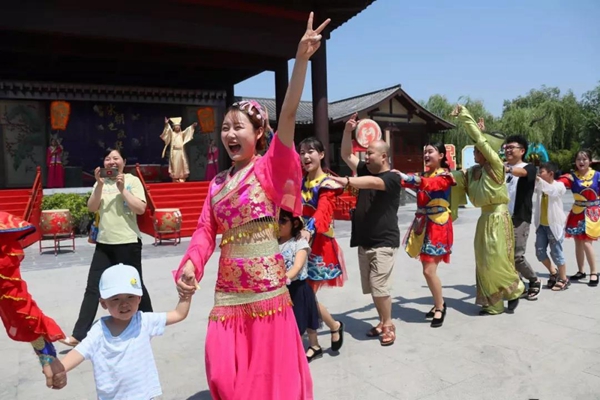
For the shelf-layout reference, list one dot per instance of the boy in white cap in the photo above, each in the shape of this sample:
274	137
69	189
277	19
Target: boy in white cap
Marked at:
119	345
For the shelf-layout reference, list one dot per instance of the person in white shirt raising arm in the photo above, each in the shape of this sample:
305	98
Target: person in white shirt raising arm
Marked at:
550	220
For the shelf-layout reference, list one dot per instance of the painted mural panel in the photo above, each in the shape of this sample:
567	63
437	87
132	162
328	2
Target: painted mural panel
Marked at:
23	127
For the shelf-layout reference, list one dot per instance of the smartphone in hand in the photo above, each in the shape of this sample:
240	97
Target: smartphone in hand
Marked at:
109	172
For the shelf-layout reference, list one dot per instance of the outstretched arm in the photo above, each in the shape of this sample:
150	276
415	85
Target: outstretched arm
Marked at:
361	182
202	245
567	180
309	44
348	155
166	133
548	189
480	141
180	312
320	222
72	360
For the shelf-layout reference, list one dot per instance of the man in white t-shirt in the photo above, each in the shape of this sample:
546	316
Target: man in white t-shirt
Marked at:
119	345
520	181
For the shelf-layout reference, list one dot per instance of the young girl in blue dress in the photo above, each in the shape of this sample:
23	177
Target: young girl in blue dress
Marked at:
295	251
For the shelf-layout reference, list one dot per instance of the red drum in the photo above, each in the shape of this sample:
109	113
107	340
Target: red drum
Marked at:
151	172
56	222
367	131
167	220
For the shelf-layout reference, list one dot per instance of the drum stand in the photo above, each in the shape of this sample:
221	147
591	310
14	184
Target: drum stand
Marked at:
173	237
57	238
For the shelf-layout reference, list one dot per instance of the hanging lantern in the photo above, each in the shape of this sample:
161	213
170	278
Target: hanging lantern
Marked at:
206	117
59	115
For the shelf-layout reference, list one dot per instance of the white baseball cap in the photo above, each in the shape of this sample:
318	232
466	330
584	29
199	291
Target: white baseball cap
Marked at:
120	279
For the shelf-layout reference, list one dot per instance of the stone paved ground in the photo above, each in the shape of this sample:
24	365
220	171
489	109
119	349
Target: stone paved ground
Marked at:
549	349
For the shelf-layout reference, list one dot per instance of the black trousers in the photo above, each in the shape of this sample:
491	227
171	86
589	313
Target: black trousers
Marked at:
105	256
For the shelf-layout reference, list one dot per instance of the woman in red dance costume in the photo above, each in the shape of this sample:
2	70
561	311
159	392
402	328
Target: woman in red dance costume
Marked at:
583	223
212	161
430	236
22	318
326	265
55	172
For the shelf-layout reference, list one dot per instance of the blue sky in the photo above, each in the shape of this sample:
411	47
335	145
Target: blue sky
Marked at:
491	50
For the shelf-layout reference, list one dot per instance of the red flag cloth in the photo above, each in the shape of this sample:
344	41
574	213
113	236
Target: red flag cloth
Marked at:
22	318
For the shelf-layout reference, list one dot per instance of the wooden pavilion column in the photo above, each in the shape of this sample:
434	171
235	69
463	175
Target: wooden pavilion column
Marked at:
281	85
319	92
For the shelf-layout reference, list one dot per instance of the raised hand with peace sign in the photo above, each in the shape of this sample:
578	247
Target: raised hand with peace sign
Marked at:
309	44
311	41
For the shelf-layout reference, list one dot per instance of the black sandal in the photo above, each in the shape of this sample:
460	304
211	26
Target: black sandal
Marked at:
552	280
561	284
337	345
593	282
431	312
316	353
578	276
438	322
534	290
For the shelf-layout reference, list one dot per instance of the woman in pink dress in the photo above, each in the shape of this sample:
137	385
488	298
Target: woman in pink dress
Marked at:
56	173
212	161
253	349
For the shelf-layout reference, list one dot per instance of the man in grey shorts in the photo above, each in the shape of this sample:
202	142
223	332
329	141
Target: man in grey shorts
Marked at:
374	225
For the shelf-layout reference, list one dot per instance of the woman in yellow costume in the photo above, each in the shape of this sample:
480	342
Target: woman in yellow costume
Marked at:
179	168
497	278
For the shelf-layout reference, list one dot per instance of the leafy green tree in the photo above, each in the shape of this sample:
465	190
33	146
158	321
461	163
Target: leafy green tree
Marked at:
590	105
544	116
561	122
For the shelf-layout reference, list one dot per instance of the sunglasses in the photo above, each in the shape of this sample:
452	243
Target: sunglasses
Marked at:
283	221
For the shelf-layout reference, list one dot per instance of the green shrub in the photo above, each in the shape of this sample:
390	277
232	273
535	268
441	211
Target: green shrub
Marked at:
75	203
564	158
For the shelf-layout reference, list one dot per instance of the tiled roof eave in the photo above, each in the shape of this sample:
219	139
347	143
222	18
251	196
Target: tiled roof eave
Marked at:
88	92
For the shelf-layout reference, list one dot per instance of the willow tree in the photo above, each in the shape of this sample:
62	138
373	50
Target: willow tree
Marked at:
544	116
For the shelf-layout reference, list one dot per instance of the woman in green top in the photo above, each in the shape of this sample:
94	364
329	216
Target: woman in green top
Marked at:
118	200
497	278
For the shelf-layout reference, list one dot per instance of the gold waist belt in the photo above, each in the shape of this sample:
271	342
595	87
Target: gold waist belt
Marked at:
176	148
236	299
250	250
262	230
494	208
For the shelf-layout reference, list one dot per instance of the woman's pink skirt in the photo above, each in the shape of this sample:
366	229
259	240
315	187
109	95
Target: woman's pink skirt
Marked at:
257	359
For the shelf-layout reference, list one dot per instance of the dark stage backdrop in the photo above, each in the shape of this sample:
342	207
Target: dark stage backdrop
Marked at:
136	127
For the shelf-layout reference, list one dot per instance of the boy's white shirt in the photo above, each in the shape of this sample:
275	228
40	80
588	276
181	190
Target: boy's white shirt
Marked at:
124	365
557	218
